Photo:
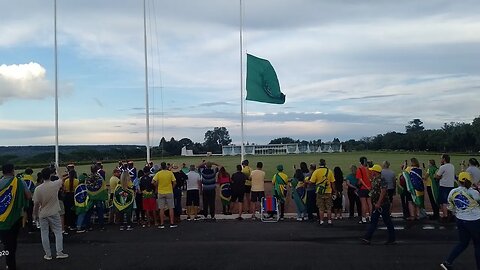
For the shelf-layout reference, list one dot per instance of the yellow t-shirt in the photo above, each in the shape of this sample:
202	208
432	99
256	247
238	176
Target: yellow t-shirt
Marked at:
318	177
247	171
113	183
66	185
258	180
164	180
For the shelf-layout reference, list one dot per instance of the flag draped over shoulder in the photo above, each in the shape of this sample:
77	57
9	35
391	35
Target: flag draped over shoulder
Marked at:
280	188
123	199
96	187
299	194
432	170
225	193
415	186
82	202
12	202
262	81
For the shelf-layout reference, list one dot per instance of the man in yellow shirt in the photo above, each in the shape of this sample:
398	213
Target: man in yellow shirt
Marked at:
279	182
248	185
164	181
323	180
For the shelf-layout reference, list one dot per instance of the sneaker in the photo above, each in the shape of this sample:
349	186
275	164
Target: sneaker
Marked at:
299	219
446	266
129	228
81	231
65	233
196	218
239	218
329	222
173	225
365	241
321	222
48	258
161	227
61	255
213	219
282	218
188	218
122	228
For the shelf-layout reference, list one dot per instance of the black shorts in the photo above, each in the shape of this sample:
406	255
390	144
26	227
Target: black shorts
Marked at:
248	189
257	196
363	193
193	198
237	196
390	193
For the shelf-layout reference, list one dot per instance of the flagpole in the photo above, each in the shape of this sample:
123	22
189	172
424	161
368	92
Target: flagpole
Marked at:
56	84
147	109
241	84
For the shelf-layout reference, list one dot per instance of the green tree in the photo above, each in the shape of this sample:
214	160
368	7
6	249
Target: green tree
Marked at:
282	140
216	138
414	126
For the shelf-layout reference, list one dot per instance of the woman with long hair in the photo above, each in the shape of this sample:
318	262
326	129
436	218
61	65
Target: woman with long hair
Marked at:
298	193
337	202
123	198
352	193
223	181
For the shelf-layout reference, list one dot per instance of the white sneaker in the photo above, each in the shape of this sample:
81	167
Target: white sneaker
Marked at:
299	219
48	258
329	222
321	222
61	255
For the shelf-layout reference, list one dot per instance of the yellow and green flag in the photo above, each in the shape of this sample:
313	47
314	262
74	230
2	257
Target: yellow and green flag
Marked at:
12	201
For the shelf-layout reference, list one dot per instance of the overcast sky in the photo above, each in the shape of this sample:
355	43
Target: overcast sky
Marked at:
349	69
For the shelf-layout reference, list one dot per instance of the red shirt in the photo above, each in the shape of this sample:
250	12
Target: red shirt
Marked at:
223	179
364	174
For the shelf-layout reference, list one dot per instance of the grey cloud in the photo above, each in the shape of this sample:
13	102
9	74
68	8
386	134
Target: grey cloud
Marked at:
373	97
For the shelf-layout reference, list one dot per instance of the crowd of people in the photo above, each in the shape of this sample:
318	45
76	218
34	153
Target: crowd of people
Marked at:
75	201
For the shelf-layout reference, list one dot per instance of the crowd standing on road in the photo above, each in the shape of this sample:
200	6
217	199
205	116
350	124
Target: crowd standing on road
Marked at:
152	195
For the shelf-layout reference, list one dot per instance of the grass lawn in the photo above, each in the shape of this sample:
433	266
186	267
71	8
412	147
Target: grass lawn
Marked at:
343	160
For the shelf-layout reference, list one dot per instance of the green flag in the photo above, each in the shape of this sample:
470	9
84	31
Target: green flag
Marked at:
262	81
12	202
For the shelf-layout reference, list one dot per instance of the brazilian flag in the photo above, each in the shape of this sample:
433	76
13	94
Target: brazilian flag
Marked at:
299	194
12	202
82	202
29	182
280	188
432	171
225	193
97	190
123	198
415	186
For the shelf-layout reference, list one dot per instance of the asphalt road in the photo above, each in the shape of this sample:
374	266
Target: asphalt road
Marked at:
229	244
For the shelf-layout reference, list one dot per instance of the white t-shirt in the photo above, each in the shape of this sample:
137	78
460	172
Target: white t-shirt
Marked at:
475	172
464	203
447	172
193	179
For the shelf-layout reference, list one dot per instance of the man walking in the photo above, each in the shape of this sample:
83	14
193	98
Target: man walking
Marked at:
11	218
46	209
164	180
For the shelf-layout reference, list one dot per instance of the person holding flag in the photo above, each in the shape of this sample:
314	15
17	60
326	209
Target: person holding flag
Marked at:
14	196
123	197
432	188
279	182
82	202
414	183
464	201
299	193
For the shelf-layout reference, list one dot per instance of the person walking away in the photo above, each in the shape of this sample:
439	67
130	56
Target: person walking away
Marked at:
474	170
352	193
82	202
464	202
177	190
194	182
363	176
123	198
238	190
11	214
223	181
97	194
149	203
139	211
279	182
337	202
446	178
47	210
311	200
298	193
209	185
70	184
324	180
257	177
381	206
164	180
432	188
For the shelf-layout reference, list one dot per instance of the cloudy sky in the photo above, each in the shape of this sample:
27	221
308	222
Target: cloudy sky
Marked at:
349	69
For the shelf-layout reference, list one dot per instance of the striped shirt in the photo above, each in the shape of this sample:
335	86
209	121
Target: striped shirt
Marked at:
208	179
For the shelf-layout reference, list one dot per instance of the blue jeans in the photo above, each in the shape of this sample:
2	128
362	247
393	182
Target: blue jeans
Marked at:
467	230
385	213
80	220
98	206
177	197
311	203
